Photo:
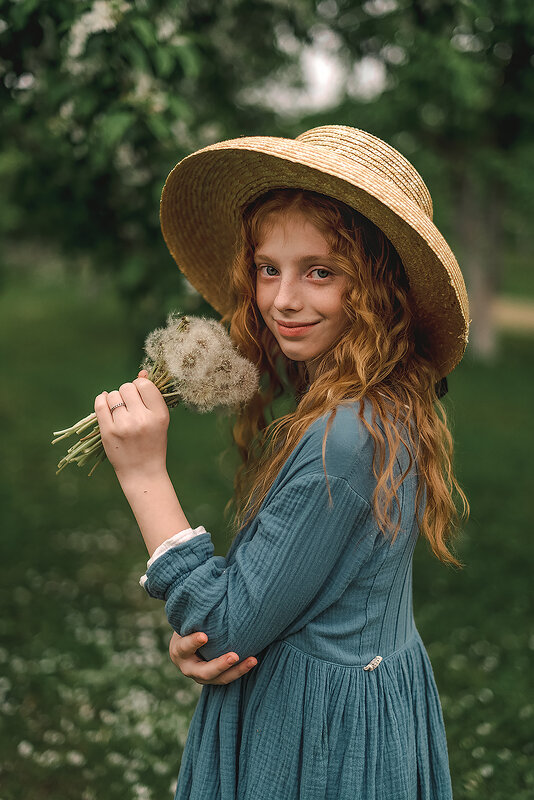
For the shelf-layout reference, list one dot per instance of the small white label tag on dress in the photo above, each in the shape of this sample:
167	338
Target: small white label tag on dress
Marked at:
374	663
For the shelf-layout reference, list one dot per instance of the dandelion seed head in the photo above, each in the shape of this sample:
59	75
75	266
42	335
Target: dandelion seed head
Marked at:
189	361
224	366
172	335
207	369
153	347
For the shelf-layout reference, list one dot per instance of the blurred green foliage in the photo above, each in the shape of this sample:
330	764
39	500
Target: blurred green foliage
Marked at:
100	99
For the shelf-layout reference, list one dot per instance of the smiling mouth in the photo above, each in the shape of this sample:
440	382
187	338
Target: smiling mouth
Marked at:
294	324
290	331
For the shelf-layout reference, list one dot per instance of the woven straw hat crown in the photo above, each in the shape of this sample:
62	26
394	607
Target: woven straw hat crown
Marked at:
204	196
372	154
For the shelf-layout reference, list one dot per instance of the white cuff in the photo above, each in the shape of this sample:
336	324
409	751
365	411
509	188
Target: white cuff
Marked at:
168	544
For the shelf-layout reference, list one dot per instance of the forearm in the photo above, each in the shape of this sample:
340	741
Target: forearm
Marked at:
155	506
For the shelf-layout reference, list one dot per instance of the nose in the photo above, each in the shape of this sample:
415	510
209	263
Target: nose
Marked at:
288	296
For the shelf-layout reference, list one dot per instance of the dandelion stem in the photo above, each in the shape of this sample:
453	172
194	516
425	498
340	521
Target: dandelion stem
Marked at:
93	434
78	427
99	460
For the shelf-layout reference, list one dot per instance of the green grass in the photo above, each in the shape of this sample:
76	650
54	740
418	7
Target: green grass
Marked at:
90	704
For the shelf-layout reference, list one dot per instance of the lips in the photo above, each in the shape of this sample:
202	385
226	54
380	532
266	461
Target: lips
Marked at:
293	324
294	329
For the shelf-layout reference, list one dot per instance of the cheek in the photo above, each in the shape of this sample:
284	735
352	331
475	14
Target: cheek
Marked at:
337	313
333	305
263	296
261	302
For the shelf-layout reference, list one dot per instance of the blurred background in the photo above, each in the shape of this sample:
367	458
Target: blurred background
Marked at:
99	100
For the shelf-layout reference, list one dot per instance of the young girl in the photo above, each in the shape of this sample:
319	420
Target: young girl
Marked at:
321	254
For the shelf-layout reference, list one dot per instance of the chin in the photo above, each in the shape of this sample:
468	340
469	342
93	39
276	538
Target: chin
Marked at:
298	355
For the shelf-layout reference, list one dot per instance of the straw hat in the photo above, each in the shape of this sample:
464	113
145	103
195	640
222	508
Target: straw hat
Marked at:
202	199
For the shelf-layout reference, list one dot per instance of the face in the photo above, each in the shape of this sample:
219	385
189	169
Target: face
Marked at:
298	288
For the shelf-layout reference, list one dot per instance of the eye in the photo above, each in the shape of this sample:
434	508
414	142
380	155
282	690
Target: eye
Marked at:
322	269
267	266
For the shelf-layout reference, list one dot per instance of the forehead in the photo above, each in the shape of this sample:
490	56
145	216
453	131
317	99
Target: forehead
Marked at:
292	228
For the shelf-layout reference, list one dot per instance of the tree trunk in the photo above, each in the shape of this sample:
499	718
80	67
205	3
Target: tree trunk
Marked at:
479	228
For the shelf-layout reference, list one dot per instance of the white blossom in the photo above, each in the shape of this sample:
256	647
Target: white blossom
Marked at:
102	17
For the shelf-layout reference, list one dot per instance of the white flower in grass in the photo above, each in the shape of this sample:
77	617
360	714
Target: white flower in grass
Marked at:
25	749
48	758
75	758
142	792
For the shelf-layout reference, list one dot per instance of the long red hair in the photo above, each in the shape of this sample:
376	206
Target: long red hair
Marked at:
381	356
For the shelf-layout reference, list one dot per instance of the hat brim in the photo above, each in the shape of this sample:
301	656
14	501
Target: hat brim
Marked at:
200	221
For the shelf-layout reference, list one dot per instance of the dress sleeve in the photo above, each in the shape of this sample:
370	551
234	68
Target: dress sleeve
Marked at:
245	605
173	541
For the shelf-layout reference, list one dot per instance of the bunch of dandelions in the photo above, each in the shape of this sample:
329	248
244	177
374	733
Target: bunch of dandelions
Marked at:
191	360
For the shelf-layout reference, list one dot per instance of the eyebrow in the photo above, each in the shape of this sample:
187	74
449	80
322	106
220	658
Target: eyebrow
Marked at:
303	260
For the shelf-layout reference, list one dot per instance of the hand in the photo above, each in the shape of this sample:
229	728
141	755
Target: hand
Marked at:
134	435
182	650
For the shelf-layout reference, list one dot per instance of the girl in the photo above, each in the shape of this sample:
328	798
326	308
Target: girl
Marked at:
321	254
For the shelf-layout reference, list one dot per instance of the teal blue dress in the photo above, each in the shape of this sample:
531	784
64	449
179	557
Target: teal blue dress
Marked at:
342	704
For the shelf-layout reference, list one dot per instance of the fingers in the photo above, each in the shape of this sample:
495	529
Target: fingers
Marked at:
181	647
150	394
135	396
102	411
128	394
218	671
116	397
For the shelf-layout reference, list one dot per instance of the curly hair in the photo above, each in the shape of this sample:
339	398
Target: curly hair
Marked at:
381	355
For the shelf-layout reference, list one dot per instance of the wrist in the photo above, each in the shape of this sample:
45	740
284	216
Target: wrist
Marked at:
154	503
141	480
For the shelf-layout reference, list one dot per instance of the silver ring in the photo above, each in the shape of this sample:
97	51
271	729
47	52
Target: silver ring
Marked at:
116	406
